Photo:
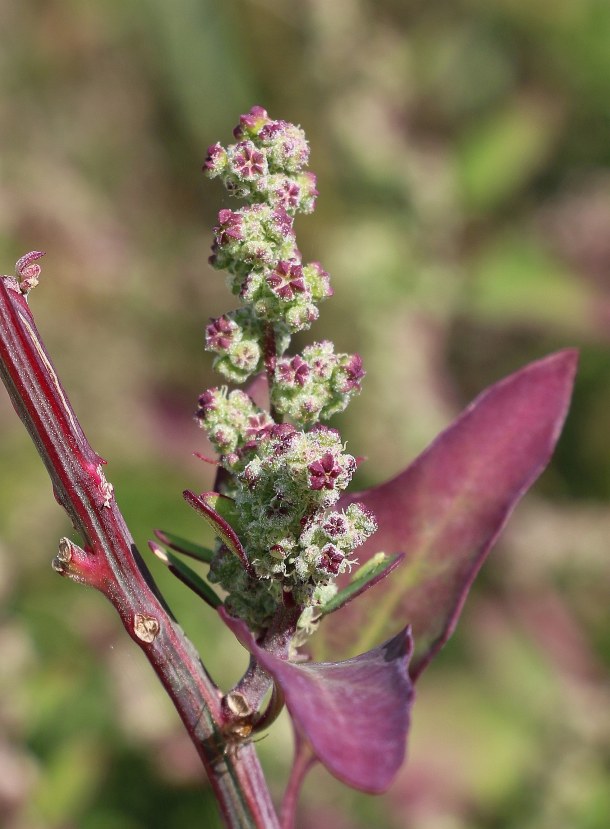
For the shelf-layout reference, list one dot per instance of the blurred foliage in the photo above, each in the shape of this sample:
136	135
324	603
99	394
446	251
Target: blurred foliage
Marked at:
462	152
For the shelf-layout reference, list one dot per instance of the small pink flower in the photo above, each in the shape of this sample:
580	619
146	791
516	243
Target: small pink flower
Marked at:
258	424
220	333
283	222
207	402
286	280
331	559
249	121
248	161
288	193
324	472
354	372
294	372
282	435
229	228
214	157
335	525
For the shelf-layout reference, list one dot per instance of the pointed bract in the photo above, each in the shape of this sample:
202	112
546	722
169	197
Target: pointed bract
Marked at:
218	511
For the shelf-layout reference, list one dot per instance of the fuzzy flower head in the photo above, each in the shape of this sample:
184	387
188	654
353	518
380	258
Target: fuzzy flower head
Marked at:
286	471
231	419
284	499
317	384
255	244
252	237
235	339
266	164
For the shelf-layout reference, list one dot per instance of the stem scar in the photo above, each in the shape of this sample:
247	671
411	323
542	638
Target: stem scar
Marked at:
146	628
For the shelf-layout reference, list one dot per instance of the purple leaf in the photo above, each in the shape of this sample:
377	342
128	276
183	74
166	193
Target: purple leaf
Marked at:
448	507
354	714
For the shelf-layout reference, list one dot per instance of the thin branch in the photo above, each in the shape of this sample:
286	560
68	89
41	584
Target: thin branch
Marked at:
109	561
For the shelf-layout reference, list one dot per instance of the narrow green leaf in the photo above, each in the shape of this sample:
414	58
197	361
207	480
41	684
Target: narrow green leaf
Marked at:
187	548
186	575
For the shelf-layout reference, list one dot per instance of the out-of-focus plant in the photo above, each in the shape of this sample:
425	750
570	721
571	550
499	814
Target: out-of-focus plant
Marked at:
375	578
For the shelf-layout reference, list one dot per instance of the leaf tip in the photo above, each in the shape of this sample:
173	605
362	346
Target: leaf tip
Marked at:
158	552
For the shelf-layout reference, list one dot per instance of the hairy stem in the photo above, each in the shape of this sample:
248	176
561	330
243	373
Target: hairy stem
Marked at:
110	562
269	353
270	361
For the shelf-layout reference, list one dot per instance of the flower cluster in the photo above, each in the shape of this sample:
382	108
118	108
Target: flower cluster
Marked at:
316	384
235	339
285	471
256	243
284	500
232	421
266	164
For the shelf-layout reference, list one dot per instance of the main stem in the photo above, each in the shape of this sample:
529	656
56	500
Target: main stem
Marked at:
110	562
270	361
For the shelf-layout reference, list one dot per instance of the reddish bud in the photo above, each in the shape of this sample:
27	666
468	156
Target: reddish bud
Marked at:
220	333
294	372
214	158
249	122
354	372
229	228
335	526
28	271
207	402
331	559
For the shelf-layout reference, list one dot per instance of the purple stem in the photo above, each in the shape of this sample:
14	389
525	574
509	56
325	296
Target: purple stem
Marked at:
255	683
269	353
304	760
110	562
270	361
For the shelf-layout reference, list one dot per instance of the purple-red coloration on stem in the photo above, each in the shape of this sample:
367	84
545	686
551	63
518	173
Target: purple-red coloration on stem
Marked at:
110	562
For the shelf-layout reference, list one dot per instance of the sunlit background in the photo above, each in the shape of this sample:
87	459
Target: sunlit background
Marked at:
462	151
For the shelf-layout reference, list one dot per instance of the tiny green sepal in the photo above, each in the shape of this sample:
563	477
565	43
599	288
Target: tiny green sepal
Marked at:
187	576
377	568
182	545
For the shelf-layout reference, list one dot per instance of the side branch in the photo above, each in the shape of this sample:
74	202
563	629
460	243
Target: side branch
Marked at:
109	561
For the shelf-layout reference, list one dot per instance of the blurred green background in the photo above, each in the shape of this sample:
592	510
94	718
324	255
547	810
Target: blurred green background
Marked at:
462	149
